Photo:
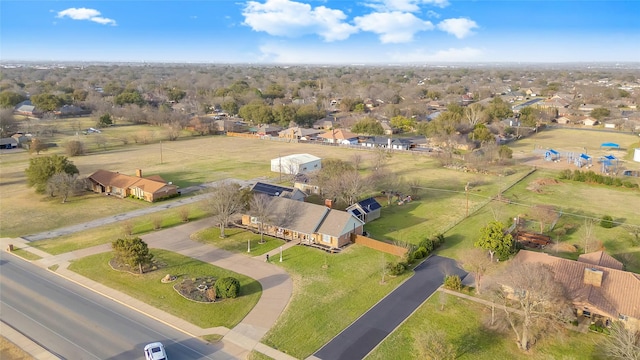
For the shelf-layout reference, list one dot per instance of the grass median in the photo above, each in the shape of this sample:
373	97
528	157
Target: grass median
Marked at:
149	289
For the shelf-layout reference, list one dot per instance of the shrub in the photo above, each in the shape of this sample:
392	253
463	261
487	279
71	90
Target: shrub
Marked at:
606	222
420	253
395	269
227	288
427	245
565	174
453	282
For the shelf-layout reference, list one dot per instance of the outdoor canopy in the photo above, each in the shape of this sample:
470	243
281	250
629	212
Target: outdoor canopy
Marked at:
610	145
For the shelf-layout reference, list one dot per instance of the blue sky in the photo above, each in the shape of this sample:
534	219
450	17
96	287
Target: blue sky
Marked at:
321	32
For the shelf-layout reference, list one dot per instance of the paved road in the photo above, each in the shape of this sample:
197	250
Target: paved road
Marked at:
76	323
357	340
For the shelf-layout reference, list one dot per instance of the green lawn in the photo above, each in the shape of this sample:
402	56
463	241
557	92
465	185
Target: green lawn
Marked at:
330	292
149	289
108	233
462	322
26	254
238	241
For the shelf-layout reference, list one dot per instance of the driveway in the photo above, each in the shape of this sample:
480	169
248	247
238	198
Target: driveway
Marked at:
362	336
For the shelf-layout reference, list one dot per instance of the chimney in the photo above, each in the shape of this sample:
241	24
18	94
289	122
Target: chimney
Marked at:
139	173
328	203
593	277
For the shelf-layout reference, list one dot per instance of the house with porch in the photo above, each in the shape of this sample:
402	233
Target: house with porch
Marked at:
151	188
307	223
596	284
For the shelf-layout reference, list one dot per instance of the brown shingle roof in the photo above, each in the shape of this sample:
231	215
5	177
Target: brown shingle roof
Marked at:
149	184
338	134
602	259
619	292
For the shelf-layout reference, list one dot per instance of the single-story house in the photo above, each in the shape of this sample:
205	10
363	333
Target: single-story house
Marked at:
296	164
150	188
389	143
267	130
278	191
589	121
366	210
339	136
596	285
8	143
299	133
308	223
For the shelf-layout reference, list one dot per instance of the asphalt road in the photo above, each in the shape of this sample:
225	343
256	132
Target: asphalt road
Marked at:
357	340
75	323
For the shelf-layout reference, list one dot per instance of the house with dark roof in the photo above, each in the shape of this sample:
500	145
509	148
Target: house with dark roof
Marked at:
366	210
8	143
151	188
596	285
278	191
309	224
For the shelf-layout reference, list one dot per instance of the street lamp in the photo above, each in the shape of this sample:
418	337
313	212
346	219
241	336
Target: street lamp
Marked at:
280	253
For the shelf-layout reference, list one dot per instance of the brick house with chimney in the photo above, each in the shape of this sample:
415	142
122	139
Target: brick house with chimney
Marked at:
310	224
151	188
596	284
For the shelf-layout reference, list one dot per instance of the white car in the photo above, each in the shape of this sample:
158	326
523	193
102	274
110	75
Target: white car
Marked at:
155	351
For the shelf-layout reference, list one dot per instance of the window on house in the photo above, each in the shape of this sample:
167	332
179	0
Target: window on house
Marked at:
326	238
254	220
623	317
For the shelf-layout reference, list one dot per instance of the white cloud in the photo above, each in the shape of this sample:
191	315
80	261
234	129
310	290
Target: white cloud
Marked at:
448	55
293	19
393	27
404	5
85	14
459	27
433	14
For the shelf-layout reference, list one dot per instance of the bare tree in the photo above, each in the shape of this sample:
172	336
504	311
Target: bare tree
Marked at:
474	114
622	343
224	202
356	159
74	148
64	185
262	208
8	123
100	141
544	214
532	300
433	344
352	186
588	236
476	261
37	146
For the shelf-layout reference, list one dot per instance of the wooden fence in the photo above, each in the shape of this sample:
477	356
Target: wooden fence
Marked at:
379	245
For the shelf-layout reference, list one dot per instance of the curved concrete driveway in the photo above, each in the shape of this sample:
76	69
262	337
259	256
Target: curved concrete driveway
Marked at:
276	283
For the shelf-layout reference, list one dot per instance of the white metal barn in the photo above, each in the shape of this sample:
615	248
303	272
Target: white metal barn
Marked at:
296	164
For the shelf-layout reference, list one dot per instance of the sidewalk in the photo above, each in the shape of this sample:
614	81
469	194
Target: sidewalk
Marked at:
277	286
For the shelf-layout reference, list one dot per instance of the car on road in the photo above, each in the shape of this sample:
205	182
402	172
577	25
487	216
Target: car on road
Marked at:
155	351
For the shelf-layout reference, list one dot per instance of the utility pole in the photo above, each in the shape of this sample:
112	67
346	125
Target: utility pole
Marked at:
466	190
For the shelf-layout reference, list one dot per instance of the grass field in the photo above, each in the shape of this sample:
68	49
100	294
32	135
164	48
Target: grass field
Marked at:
577	141
108	233
330	292
149	289
461	321
238	241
